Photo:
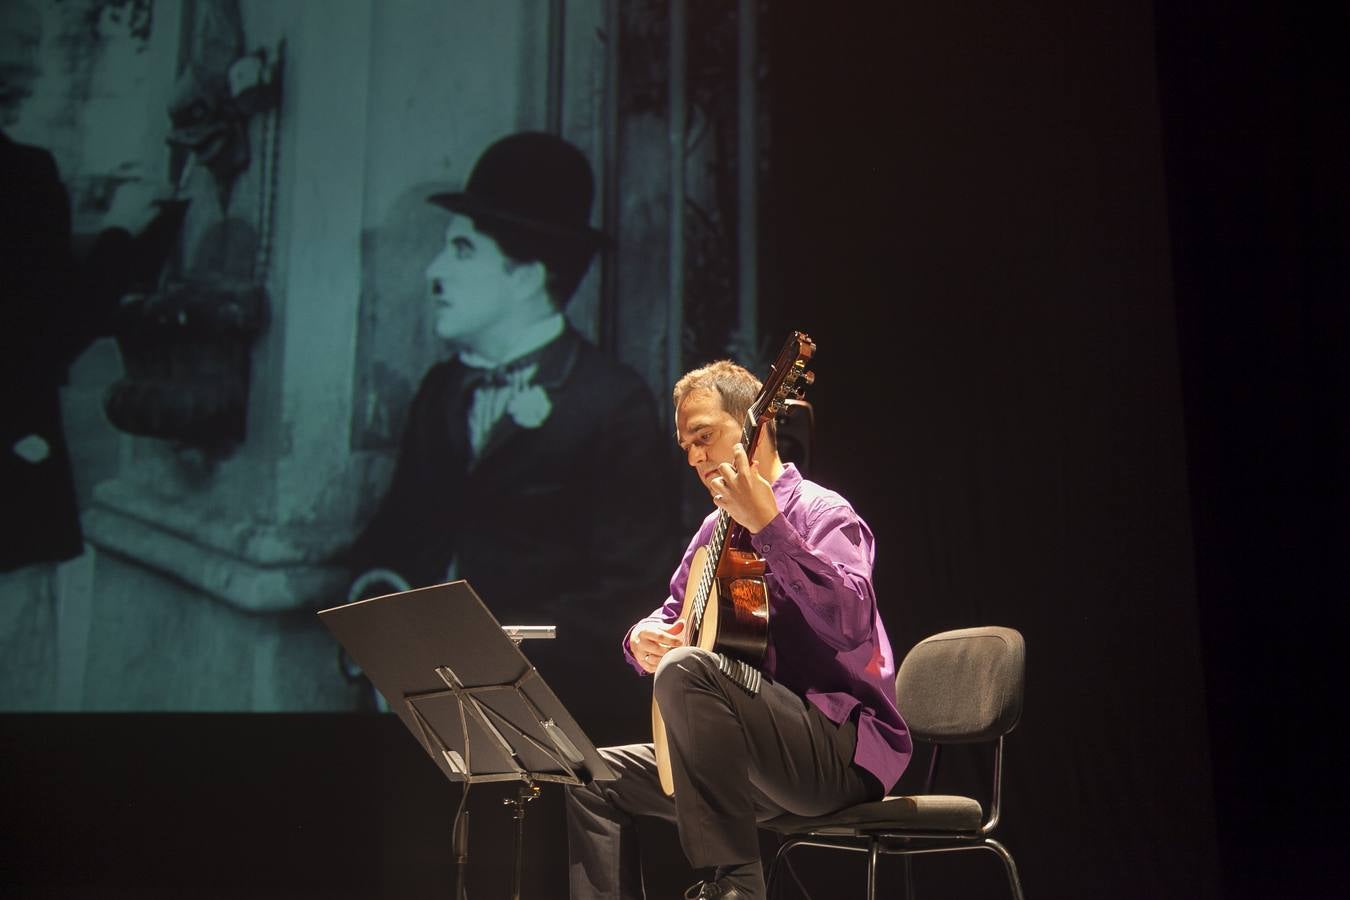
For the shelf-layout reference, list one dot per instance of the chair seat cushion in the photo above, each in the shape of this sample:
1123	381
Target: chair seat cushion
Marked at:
922	812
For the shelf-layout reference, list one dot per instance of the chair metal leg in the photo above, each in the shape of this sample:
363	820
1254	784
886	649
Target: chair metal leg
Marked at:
772	878
1014	881
872	851
779	862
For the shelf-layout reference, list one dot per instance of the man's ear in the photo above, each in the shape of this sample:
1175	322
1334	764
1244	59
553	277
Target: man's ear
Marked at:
528	279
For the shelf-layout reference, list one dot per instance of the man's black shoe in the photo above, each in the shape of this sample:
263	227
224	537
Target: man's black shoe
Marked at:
715	890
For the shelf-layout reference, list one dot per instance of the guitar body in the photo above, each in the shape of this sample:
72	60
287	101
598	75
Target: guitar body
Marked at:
740	613
726	603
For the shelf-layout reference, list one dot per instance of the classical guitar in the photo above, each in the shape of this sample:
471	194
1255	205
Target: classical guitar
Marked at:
726	603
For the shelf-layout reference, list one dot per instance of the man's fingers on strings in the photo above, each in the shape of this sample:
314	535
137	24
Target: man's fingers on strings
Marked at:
741	459
717	486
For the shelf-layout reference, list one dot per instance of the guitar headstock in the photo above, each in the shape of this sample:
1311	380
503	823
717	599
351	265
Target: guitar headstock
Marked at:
787	380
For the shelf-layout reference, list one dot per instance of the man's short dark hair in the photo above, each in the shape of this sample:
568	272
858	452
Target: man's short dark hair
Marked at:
565	260
732	383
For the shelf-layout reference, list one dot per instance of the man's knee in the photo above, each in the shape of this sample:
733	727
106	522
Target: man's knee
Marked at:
680	669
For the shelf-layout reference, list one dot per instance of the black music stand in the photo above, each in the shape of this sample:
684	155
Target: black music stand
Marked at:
467	693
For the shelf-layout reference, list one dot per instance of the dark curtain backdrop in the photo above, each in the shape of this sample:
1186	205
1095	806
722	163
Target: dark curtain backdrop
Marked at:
1078	275
1254	108
979	226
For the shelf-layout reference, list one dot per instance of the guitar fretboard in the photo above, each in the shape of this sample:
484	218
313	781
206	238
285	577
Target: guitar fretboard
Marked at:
709	574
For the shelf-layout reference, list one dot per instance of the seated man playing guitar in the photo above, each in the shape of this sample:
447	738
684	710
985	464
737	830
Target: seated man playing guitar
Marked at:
818	732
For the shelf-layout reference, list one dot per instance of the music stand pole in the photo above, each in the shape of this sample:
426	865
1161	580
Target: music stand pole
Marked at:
528	790
509	739
526	793
460	839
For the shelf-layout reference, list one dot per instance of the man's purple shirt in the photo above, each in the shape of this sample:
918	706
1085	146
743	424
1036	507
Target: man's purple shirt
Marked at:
826	640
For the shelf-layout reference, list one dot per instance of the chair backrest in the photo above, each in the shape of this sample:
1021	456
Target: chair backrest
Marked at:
963	686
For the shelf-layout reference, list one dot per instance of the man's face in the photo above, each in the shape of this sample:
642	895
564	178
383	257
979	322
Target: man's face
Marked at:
469	283
19	42
16	86
707	433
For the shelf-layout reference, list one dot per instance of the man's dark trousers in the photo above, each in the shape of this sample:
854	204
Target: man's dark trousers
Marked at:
737	759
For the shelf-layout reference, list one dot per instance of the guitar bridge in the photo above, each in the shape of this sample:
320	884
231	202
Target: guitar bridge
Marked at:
743	674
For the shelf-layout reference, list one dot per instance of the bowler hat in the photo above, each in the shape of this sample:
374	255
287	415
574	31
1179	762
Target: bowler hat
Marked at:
531	180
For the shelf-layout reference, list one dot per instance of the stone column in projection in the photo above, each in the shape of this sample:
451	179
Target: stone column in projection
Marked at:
211	548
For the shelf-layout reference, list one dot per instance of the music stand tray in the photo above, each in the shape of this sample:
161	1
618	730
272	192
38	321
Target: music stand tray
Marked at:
463	688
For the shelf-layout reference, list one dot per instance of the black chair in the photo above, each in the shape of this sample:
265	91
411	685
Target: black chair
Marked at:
957	687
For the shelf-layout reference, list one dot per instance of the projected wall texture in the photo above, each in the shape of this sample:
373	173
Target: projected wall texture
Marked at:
243	354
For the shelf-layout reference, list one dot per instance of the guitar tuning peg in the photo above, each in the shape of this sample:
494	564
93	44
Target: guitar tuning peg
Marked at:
809	377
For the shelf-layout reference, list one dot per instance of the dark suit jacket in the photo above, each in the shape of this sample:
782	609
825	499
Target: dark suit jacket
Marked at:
40	338
567	522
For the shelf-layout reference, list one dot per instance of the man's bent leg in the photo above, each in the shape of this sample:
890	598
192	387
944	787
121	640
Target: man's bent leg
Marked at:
714	799
739	758
604	862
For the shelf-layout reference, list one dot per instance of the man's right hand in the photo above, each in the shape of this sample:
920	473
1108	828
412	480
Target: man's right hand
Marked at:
650	641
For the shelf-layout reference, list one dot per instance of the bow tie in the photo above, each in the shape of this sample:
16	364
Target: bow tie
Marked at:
507	375
476	378
491	392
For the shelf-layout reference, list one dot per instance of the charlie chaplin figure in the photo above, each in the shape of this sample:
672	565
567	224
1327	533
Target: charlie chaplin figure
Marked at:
530	463
58	292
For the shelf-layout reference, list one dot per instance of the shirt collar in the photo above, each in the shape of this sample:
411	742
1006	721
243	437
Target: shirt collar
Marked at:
787	483
528	340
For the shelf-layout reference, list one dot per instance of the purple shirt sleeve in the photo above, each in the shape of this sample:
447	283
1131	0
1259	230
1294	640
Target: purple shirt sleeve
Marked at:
668	612
826	571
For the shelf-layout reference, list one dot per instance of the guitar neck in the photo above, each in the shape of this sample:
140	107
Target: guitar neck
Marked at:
716	544
782	384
